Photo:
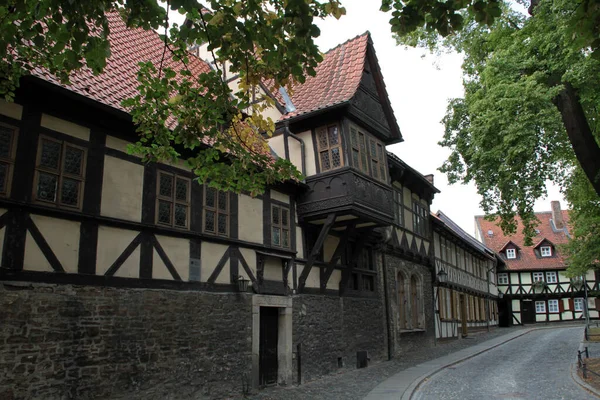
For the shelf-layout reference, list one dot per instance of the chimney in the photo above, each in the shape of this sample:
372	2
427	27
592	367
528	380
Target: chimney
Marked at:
557	215
429	178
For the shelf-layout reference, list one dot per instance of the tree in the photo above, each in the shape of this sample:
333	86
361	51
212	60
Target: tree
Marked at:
529	115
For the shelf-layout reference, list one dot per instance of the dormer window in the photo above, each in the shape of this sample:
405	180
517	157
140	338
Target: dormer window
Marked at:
511	254
546	251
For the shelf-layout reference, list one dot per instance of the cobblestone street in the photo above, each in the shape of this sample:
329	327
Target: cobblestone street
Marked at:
356	384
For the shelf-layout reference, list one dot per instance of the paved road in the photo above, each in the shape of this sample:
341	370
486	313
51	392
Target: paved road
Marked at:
534	366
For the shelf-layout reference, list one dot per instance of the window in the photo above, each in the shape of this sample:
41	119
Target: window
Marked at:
540	307
362	156
546	251
398	207
359	149
60	172
173	200
8	148
553	306
502	279
578	304
538	277
377	160
280	226
511	253
216	211
551	277
330	147
415	303
419	219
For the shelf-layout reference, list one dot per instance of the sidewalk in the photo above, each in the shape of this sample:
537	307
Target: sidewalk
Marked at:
402	385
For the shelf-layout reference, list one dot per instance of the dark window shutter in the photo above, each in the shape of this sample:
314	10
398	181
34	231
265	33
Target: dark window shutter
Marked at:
571	305
561	305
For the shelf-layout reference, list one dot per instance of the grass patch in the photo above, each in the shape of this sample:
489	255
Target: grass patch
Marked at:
592	364
594	334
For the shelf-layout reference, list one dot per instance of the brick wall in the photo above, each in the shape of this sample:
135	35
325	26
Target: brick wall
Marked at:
64	341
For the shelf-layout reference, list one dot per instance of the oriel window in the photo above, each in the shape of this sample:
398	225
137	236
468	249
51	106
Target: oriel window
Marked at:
173	200
330	147
216	211
8	149
280	226
60	173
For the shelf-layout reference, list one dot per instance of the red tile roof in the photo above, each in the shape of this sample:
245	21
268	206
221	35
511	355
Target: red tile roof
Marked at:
527	259
336	80
119	79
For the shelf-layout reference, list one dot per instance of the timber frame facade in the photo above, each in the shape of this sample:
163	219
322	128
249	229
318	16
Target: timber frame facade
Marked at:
341	265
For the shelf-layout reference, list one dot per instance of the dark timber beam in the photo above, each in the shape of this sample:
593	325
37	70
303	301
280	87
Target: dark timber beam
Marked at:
340	249
315	251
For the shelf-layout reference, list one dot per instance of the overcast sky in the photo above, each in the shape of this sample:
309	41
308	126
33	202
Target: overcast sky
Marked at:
419	86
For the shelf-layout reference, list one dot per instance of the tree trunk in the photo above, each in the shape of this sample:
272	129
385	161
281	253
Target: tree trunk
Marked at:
580	134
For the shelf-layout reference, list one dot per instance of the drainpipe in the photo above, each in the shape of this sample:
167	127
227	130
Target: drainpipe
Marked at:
387	306
302	155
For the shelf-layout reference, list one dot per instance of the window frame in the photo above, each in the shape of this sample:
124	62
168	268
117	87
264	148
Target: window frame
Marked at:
10	161
359	146
367	157
173	200
582	301
60	173
542	309
536	275
551	306
398	205
280	226
217	212
501	277
509	252
549	251
329	147
420	218
552	274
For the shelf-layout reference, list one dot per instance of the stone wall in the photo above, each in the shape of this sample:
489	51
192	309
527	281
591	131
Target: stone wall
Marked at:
333	327
64	341
408	340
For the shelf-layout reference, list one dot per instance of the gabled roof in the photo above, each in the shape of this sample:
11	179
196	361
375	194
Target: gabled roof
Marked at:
445	221
118	81
542	241
527	259
509	245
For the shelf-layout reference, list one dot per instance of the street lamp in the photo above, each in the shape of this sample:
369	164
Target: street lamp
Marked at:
242	284
442	276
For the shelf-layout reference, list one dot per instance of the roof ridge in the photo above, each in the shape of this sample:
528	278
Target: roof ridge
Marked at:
366	33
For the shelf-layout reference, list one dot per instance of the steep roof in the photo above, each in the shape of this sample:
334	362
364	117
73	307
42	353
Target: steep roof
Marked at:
527	259
336	80
449	224
118	81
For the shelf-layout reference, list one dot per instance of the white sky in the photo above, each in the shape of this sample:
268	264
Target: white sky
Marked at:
419	86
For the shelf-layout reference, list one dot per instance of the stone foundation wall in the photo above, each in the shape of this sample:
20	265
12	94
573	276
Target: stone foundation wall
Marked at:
333	327
64	341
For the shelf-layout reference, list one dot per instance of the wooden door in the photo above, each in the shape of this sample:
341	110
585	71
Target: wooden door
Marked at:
527	312
463	315
269	322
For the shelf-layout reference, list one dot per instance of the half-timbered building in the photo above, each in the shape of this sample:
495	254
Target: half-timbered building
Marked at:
125	278
466	289
532	280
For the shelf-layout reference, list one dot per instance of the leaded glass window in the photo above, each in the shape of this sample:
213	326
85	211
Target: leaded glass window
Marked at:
398	207
280	226
368	154
216	211
60	173
420	219
8	144
330	147
173	200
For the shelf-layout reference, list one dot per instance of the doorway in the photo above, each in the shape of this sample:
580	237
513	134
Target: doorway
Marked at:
504	314
269	332
527	312
463	315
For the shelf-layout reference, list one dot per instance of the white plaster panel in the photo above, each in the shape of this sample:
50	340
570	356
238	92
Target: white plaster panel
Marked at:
567	315
314	278
250	219
271	112
295	153
66	127
211	255
116	143
334	280
284	198
540	317
593	313
122	186
554	317
11	110
159	268
250	257
178	251
111	243
278	145
525	278
63	238
309	152
299	242
516	305
329	247
563	278
272	270
34	258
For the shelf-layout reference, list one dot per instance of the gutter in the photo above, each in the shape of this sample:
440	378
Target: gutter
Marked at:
302	150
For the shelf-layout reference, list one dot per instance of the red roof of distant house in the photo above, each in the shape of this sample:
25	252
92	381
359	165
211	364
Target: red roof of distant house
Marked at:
527	260
118	81
337	78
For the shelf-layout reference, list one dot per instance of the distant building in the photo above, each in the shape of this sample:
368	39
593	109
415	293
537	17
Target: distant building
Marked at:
533	279
467	301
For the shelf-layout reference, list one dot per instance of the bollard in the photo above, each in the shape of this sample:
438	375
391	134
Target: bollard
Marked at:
587	353
579	360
